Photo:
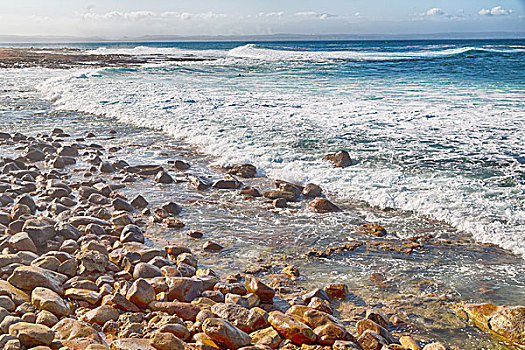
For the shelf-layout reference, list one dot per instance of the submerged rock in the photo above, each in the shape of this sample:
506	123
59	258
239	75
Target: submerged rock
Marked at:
322	205
339	159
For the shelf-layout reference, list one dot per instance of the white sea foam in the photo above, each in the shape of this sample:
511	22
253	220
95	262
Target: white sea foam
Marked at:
266	120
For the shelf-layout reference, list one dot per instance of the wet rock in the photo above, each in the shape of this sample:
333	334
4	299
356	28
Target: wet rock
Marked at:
194	234
265	293
228	183
339	159
278	194
378	317
172	208
101	315
139	202
67	151
336	290
322	205
280	203
180	165
106	167
329	333
225	333
198	182
371	341
312	191
46	299
250	191
320	304
292	329
366	324
373	229
141	293
247	320
30	277
132	233
510	324
163	177
242	170
31	335
120	204
166	341
213	247
35	155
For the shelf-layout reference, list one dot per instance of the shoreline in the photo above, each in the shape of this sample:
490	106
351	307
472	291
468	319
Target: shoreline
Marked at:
287	290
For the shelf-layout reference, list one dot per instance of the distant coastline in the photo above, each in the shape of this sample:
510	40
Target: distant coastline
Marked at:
13	39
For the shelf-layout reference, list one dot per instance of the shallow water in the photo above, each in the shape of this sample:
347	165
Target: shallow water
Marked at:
440	155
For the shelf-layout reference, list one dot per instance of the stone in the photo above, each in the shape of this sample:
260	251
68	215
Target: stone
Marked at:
77	221
46	318
70	329
16	295
172	208
118	301
510	324
378	317
436	346
99	199
106	167
121	204
198	182
101	315
35	155
180	165
6	303
131	344
367	324
8	321
212	247
139	202
186	311
329	333
132	233
264	292
345	345
292	329
279	194
228	183
339	159
145	270
86	295
336	290
225	333
317	303
67	151
166	341
312	191
250	192
30	277
323	205
163	177
408	343
31	335
247	320
373	229
22	242
46	299
242	170
267	337
47	262
93	261
141	293
371	341
40	230
183	288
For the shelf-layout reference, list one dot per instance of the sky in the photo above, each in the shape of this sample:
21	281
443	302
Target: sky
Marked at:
135	18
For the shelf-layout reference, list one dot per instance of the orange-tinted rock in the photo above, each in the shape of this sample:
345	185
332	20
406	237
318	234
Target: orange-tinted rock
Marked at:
320	304
247	320
510	324
373	229
290	328
186	311
268	337
323	205
225	333
371	341
409	343
367	324
436	346
329	333
339	159
336	290
265	293
316	318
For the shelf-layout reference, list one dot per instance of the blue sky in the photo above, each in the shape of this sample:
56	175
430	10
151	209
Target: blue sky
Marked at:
116	18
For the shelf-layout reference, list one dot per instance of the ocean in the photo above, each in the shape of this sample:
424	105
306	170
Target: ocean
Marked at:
435	129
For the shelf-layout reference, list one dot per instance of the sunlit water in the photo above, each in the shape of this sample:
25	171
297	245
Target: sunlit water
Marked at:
435	129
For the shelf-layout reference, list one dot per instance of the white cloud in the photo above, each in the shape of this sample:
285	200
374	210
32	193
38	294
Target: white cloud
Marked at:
436	11
495	11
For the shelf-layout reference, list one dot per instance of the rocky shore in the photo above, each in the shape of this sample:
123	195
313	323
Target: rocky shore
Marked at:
78	272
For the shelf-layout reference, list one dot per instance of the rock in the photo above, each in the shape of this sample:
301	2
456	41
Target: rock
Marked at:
183	288
322	205
86	220
339	159
436	346
35	155
31	335
67	231
366	324
329	333
510	324
67	151
93	261
242	170
99	199
27	200
228	183
194	234
166	341
312	190
8	321
40	230
408	343
163	177
22	242
345	345
371	341
47	262
131	344
106	167
336	290
46	299
186	311
210	246
278	194
132	233
139	202
86	295
265	293
180	165
292	329
267	337
141	293
70	329
118	301
250	191
198	182
247	320
373	229
46	318
101	315
120	204
30	277
145	270
225	333
280	203
16	295
378	317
